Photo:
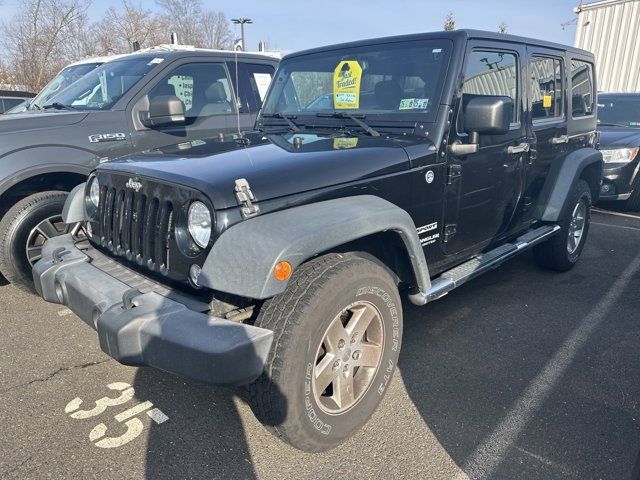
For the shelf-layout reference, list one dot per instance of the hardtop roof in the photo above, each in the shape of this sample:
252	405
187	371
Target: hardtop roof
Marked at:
454	35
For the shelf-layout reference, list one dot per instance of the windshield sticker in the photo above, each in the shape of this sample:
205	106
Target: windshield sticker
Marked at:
262	82
155	61
346	85
342	143
413	104
546	101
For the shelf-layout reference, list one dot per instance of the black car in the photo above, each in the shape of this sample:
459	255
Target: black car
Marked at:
619	126
147	99
278	259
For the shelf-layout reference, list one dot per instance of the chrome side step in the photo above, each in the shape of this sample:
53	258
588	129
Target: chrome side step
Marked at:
482	263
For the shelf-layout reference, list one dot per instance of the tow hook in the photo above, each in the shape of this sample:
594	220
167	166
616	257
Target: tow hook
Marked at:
128	297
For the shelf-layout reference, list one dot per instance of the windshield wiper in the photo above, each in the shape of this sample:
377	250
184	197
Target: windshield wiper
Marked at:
354	118
59	106
286	118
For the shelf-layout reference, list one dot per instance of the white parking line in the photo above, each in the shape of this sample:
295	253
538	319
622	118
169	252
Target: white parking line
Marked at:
489	455
617	214
625	227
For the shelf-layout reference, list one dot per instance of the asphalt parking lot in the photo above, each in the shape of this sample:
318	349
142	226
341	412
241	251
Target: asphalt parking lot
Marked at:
519	374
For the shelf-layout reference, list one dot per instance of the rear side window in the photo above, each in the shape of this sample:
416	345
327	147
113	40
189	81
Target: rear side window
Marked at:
582	94
259	78
492	74
546	88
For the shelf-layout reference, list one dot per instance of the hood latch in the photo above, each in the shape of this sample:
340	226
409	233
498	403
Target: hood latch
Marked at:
245	198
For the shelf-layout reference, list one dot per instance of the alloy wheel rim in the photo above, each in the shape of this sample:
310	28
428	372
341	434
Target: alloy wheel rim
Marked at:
576	226
348	357
49	228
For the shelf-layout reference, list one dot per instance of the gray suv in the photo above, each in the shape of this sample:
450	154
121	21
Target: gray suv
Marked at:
145	100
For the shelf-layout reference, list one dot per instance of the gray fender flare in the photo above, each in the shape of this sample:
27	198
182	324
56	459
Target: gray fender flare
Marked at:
73	210
242	260
563	175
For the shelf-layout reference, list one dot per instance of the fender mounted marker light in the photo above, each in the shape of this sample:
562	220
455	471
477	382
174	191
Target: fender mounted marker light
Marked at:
282	271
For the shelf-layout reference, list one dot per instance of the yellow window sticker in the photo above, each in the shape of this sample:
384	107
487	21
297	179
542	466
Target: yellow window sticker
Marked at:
342	143
346	84
546	101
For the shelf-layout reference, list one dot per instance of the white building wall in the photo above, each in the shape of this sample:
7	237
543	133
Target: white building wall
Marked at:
611	30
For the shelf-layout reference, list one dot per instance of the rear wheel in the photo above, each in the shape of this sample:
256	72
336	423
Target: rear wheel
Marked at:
561	252
338	329
23	231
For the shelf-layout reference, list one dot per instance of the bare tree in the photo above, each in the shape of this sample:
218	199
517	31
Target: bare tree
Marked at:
215	31
450	22
122	26
35	38
502	28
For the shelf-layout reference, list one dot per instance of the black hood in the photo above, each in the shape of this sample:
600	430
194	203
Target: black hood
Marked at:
619	137
274	165
37	120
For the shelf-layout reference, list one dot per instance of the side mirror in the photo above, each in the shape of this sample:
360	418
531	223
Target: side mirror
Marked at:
486	115
163	110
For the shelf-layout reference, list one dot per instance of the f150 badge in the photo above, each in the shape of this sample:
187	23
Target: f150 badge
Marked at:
134	185
107	137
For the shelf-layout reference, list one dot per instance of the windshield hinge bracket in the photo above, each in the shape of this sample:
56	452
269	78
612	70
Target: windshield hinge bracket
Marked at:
245	198
449	231
454	171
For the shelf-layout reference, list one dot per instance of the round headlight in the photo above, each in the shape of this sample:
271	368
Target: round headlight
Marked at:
94	191
200	223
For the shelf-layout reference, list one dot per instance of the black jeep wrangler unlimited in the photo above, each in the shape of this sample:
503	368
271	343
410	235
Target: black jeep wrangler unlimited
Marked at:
407	164
148	99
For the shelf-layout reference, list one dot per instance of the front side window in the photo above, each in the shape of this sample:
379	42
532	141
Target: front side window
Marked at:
490	73
546	88
582	95
102	87
203	88
396	80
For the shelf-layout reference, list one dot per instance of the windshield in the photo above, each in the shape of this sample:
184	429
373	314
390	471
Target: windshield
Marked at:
394	81
61	81
619	111
102	87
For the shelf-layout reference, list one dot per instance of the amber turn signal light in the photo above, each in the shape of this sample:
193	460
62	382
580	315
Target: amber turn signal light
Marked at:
282	271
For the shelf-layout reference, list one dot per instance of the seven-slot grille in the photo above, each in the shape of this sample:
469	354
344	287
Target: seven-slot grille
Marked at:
136	220
136	226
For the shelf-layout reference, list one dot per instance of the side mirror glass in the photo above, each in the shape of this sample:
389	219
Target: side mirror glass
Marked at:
163	110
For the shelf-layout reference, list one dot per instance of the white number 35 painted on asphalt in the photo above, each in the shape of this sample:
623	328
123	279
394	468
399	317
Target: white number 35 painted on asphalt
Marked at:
134	425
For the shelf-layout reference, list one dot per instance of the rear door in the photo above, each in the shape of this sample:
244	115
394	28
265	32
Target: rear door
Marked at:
547	105
205	89
484	188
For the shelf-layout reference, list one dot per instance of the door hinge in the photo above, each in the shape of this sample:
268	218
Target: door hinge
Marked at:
449	231
453	172
245	198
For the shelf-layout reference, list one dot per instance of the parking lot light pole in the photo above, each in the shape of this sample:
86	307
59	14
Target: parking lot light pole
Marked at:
241	22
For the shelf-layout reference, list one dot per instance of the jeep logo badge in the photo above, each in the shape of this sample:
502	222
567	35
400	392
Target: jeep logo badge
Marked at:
134	185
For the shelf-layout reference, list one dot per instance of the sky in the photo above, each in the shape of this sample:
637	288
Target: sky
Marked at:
290	25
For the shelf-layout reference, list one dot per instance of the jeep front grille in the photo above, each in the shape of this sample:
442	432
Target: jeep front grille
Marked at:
136	226
145	224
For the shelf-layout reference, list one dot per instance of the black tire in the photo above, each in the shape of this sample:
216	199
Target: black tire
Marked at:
15	228
554	254
633	202
283	397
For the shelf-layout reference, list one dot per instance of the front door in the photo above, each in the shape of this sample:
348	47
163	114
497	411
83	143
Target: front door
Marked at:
484	188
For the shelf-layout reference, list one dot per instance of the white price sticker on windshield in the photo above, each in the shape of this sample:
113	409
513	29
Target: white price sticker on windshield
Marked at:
263	80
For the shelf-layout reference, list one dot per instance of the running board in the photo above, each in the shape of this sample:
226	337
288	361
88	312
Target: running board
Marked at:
482	263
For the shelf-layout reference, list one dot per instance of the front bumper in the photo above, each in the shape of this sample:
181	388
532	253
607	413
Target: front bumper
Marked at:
618	180
149	328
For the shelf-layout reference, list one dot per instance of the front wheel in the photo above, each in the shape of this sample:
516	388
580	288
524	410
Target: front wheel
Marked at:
338	330
23	231
561	252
